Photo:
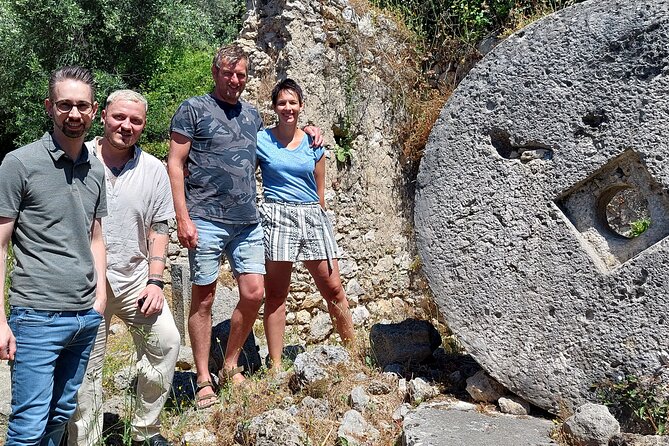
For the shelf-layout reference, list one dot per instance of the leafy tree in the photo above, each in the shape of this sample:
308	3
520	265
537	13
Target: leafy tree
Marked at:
127	43
188	74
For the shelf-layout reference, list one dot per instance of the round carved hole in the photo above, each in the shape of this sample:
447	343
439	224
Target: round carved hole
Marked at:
627	213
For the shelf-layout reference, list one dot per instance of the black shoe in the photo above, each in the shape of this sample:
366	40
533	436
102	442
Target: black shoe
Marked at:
156	440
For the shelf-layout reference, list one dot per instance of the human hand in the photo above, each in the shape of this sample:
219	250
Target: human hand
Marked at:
316	135
187	233
151	300
99	306
7	342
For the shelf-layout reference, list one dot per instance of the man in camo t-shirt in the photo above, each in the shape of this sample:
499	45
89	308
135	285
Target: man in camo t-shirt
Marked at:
211	165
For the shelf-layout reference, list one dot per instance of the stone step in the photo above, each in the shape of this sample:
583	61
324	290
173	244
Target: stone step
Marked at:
461	424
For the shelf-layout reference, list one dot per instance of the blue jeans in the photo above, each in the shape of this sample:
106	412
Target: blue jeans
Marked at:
52	350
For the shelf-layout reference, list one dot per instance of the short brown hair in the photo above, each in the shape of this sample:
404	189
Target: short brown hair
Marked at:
71	72
230	54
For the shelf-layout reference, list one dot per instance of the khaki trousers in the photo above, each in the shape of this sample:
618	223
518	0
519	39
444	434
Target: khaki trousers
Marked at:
157	344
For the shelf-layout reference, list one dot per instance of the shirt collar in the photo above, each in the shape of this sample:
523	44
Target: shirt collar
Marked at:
57	153
93	145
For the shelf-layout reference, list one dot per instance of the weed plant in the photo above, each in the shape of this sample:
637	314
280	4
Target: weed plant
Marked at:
641	404
639	226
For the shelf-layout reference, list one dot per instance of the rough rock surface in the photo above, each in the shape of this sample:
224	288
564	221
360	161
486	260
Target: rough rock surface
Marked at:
271	428
481	387
513	405
420	390
639	440
591	425
408	341
516	193
447	424
355	430
313	366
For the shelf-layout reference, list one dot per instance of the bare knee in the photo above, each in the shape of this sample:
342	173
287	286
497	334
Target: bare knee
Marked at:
202	298
251	296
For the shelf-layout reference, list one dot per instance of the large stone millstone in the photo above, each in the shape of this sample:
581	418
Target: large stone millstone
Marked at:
537	164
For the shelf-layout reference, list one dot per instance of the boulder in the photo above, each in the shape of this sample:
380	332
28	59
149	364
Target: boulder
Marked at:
410	341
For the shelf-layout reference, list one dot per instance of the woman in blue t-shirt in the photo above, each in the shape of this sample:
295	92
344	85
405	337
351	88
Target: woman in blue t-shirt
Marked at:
296	227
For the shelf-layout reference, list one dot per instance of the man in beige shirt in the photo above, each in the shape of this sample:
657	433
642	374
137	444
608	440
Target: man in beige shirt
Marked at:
136	236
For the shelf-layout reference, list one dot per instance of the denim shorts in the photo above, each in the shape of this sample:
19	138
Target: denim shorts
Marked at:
241	243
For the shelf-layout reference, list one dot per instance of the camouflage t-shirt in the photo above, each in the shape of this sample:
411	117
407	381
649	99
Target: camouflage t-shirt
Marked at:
221	164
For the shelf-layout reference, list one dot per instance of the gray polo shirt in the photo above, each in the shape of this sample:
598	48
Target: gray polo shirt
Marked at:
54	202
138	197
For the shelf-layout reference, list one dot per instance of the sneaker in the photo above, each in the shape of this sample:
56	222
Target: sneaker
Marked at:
156	440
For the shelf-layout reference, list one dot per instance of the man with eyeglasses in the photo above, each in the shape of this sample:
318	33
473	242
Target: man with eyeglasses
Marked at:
136	234
52	198
211	164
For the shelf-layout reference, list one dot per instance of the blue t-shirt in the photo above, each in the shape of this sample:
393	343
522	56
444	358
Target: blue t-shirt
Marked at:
288	175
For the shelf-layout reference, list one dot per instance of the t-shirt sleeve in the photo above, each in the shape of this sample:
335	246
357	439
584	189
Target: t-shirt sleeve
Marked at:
164	208
259	124
13	176
101	209
183	121
261	146
318	151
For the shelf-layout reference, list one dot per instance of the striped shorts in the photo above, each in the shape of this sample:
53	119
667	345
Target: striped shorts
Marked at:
297	231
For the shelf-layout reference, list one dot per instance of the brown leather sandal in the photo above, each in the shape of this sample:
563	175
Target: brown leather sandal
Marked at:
205	401
225	376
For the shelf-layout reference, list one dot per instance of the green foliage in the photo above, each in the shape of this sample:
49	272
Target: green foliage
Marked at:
435	21
639	401
127	43
639	226
187	74
344	134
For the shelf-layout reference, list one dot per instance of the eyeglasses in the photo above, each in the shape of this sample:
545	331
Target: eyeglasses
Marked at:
66	107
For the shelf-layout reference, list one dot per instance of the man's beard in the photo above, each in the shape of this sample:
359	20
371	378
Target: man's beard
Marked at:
71	133
119	144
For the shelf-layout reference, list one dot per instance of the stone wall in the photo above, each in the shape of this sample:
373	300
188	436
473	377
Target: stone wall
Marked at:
347	65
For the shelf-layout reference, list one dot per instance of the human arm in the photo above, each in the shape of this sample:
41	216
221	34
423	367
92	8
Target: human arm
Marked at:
152	294
7	340
100	260
316	135
176	162
319	176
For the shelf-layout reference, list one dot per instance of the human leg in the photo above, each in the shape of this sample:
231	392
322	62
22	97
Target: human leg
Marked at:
69	373
246	255
277	285
242	319
199	331
205	262
38	345
329	285
52	351
85	426
157	343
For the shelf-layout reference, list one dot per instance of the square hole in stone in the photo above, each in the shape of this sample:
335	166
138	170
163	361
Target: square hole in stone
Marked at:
618	212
